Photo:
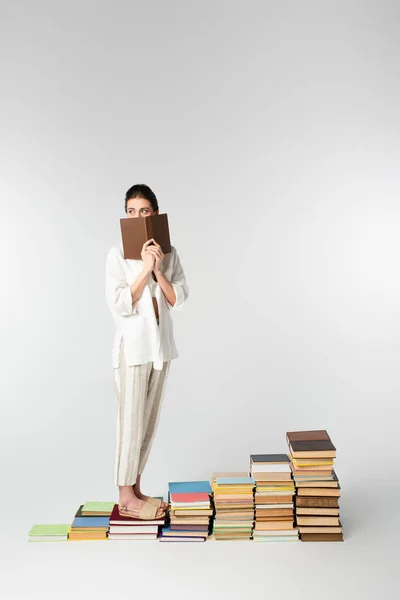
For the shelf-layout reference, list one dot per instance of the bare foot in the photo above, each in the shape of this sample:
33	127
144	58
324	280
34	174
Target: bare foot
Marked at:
141	496
133	502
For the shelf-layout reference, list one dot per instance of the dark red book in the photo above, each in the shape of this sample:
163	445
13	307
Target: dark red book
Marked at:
117	519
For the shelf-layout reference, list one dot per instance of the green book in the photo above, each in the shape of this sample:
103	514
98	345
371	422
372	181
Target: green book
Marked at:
92	506
49	533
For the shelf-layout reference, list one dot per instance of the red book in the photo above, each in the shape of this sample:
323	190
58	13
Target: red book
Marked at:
190	497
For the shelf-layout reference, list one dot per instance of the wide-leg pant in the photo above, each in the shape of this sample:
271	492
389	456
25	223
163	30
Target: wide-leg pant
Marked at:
139	392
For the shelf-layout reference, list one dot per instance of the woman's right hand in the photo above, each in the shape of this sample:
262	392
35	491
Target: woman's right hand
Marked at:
147	257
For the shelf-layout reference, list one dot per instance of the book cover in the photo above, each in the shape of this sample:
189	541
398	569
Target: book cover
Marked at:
189	486
312	434
312	446
190	497
269	458
234	480
90	522
135	232
97	507
50	529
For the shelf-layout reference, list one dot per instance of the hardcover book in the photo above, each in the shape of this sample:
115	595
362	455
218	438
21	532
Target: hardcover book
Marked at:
135	232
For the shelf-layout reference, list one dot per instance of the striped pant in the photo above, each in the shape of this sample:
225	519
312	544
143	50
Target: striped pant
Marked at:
139	391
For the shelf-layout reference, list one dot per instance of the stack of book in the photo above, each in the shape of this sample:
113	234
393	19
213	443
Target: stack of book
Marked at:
274	516
91	521
129	528
49	533
312	455
234	506
190	512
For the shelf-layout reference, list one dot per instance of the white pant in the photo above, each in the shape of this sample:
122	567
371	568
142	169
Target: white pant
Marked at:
139	391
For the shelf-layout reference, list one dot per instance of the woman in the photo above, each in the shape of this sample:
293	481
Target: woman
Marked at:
141	295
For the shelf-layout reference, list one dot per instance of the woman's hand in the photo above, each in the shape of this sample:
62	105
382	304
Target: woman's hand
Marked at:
158	255
147	257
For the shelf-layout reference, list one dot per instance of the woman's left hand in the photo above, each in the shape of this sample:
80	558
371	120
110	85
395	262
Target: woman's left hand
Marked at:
158	255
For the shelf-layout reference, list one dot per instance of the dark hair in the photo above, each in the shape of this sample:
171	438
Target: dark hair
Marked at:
140	190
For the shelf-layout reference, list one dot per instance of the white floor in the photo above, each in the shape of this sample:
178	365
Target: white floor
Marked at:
366	565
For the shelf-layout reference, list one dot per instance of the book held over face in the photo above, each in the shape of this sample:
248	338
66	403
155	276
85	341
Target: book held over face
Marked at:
137	231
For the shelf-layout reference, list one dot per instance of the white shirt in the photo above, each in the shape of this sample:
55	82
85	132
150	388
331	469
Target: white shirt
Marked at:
144	339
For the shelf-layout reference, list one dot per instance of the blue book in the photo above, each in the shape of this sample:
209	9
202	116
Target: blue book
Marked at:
233	480
185	487
91	522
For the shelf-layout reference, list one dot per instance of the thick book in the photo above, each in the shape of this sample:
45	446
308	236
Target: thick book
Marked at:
313	449
317	502
137	231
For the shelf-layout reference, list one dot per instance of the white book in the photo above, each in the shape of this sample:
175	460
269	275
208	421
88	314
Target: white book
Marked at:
131	536
267	468
133	529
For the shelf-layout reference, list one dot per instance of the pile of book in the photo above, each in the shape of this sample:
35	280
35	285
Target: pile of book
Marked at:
312	455
130	528
274	506
189	512
234	506
91	521
49	533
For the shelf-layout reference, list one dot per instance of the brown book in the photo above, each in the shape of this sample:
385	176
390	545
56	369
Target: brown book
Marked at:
135	232
312	502
275	499
274	512
321	537
267	519
302	510
313	449
271	525
317	520
306	530
305	436
318	492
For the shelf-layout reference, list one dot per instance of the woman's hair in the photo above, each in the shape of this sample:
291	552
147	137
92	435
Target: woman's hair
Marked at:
140	190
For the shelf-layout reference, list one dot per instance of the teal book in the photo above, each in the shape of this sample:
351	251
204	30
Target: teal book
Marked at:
181	487
233	480
90	522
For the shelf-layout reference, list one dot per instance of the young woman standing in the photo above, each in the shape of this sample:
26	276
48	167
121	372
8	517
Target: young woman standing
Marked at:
141	295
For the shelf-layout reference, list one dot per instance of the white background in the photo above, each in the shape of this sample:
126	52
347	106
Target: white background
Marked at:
269	132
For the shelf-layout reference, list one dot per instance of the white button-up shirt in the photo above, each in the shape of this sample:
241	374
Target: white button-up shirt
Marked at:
144	339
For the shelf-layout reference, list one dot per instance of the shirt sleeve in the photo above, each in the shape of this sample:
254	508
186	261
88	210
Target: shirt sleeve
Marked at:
118	292
178	282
